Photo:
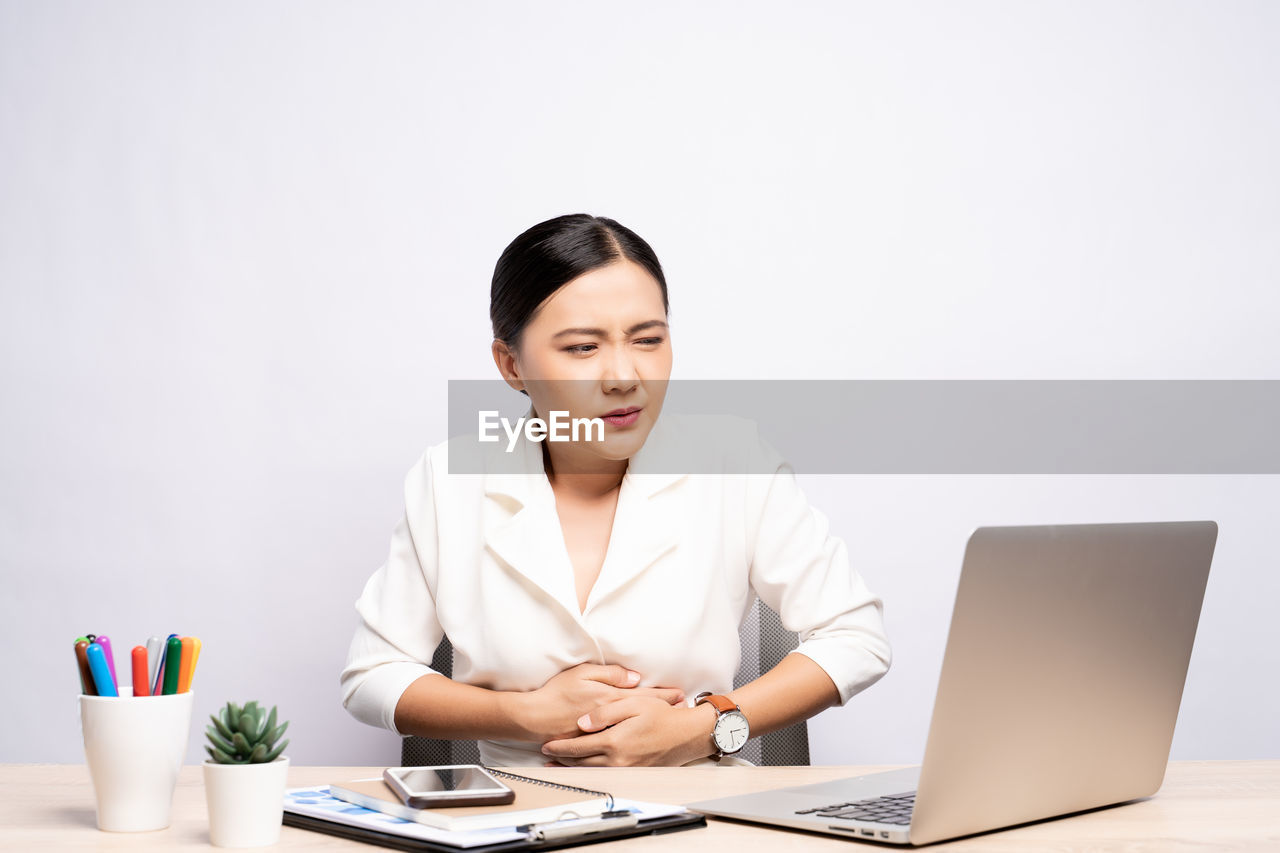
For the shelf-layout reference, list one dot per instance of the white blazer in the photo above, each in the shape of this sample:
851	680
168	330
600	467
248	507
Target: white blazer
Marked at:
481	558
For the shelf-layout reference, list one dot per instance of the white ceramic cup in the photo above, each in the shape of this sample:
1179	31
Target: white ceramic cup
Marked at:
134	747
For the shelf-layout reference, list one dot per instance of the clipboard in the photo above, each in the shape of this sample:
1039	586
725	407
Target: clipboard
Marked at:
536	801
650	826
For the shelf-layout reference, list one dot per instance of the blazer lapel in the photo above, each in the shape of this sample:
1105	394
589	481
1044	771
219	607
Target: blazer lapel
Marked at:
529	540
649	521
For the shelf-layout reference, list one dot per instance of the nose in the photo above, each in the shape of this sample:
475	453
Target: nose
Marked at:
620	375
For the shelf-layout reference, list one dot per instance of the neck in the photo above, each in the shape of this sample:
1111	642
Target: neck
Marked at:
585	478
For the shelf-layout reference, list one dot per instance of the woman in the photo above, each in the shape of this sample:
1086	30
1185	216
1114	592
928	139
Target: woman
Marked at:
591	592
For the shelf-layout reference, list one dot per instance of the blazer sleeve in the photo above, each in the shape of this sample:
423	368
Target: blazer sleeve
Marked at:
800	570
399	629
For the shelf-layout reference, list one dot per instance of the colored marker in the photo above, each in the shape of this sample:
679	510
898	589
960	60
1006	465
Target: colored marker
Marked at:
101	674
172	665
158	681
195	659
184	671
91	637
105	641
141	687
153	661
82	661
158	686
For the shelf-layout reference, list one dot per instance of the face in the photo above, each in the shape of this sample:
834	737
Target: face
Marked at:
597	346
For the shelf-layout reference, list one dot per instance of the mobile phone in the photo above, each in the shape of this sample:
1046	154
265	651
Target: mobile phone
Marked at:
447	785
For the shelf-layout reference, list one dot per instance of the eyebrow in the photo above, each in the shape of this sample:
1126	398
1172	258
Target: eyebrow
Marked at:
600	333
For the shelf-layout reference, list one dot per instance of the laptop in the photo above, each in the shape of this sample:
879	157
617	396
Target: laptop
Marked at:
1060	686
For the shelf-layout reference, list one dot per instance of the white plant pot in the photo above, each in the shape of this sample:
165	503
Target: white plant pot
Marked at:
246	802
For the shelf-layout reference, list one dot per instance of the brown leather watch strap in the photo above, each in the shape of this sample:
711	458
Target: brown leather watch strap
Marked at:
723	704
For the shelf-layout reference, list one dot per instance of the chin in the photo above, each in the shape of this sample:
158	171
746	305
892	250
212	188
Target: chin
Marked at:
620	446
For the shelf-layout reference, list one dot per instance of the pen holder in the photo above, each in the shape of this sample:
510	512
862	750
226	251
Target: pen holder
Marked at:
134	747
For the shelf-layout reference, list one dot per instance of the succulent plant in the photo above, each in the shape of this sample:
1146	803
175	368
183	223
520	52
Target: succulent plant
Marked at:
245	735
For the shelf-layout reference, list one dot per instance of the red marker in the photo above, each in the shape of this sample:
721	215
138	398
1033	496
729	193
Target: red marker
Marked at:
140	685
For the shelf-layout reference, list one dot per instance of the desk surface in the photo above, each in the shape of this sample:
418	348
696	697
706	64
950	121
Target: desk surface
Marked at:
1203	805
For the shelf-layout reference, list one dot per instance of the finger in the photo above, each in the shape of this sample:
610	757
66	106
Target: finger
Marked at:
589	761
613	674
612	713
670	695
576	747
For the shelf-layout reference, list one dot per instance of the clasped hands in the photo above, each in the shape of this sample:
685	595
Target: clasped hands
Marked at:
596	715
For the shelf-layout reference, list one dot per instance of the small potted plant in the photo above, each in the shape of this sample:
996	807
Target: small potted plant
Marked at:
244	778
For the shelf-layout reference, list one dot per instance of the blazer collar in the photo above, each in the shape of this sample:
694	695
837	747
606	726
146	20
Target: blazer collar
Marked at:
646	525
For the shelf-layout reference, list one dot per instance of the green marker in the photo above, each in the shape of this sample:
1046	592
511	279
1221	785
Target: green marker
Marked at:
172	663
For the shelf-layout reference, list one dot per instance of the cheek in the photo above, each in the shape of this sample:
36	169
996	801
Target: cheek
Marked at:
537	362
657	363
553	383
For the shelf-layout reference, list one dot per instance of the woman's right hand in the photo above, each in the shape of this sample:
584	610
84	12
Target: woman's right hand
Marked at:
552	711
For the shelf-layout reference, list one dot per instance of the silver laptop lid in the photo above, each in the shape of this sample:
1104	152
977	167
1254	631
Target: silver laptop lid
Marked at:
1063	672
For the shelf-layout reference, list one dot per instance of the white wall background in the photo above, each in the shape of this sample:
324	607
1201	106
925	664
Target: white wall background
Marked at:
243	246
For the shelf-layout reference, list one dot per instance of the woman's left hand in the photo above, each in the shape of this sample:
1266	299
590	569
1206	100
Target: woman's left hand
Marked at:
637	731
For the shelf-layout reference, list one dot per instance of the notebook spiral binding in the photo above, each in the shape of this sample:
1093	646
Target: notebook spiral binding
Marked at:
502	774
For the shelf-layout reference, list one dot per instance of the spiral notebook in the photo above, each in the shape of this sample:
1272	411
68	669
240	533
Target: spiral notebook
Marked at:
536	801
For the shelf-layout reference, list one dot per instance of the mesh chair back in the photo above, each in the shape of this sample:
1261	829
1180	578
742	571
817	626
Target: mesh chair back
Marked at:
426	751
764	642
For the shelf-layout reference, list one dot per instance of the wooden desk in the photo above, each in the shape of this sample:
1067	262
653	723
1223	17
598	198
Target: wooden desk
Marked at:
1204	805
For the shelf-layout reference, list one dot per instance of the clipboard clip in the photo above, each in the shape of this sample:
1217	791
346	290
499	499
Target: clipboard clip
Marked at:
581	827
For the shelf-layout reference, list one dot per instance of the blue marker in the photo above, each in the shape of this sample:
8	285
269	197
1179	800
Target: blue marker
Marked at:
98	668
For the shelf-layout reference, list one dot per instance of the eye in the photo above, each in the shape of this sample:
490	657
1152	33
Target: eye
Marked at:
580	349
650	341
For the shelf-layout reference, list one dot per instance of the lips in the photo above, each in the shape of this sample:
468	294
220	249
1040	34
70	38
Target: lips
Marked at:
622	417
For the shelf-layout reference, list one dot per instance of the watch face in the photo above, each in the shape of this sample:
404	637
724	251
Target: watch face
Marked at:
730	732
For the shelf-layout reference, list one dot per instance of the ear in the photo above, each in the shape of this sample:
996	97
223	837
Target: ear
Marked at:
505	358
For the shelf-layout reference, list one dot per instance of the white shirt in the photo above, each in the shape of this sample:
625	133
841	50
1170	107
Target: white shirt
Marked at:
481	558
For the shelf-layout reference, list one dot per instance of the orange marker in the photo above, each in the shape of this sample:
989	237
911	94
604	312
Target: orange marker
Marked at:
195	659
140	685
187	664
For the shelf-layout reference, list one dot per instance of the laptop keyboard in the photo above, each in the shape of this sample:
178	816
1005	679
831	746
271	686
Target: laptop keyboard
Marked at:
892	809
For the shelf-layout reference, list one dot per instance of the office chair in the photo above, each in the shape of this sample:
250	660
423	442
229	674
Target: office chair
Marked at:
764	642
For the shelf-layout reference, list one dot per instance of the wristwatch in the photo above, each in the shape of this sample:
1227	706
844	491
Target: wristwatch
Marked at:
731	731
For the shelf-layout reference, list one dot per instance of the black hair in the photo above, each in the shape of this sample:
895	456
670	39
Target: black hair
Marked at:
550	255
